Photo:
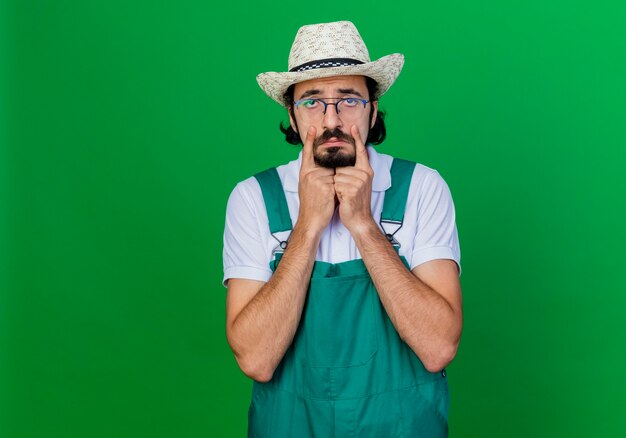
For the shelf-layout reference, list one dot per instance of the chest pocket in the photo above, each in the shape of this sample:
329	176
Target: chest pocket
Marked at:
339	325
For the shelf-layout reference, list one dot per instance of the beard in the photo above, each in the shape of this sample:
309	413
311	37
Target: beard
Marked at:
333	157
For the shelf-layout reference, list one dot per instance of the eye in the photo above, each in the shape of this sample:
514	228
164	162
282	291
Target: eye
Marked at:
309	103
350	101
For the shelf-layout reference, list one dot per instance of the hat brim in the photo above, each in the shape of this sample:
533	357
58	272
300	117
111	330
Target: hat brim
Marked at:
384	71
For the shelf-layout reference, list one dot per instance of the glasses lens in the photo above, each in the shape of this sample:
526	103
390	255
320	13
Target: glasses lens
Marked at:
350	106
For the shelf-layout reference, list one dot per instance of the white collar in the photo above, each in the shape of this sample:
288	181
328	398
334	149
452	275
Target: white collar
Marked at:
380	183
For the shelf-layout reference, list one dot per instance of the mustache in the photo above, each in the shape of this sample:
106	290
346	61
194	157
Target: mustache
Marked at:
336	133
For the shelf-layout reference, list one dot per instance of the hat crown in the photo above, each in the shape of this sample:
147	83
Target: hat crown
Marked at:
338	39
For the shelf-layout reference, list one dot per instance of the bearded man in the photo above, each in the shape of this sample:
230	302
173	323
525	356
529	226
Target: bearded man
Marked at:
342	267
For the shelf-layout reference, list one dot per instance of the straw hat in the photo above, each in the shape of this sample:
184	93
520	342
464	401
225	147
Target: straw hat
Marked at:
330	49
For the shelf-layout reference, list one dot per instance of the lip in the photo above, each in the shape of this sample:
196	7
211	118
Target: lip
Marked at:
333	142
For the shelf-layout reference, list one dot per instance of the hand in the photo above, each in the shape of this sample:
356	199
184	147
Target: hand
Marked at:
353	186
316	189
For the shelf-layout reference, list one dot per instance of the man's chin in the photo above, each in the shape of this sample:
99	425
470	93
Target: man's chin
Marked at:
332	150
332	157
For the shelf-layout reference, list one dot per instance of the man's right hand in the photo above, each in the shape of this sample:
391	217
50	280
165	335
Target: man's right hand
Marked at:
262	318
316	189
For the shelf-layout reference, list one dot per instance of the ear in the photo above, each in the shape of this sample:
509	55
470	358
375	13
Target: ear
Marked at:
292	120
375	109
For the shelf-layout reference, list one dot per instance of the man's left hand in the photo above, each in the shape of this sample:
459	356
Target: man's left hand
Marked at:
353	186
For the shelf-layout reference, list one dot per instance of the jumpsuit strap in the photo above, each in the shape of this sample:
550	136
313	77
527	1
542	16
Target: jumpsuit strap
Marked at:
275	200
392	215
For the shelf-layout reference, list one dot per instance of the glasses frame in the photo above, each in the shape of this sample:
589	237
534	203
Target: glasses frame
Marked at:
298	102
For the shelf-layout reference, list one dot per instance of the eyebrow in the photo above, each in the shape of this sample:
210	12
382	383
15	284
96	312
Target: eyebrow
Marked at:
308	93
340	90
349	91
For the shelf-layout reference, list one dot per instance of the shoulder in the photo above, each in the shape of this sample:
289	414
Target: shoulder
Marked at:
429	190
427	179
245	193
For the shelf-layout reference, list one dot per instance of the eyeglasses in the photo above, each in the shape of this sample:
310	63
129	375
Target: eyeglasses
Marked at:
316	107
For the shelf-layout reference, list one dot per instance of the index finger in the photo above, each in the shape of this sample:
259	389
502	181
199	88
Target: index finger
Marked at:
307	149
362	158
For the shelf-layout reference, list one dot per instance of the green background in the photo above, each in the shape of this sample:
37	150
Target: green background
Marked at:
125	125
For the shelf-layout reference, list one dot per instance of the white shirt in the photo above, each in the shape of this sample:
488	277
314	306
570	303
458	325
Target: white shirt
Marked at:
428	231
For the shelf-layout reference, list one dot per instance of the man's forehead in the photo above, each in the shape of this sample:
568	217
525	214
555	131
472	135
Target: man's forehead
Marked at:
332	83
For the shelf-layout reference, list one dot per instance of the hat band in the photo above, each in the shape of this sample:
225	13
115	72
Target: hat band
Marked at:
324	63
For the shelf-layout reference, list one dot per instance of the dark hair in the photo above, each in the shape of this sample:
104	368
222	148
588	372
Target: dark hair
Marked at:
376	135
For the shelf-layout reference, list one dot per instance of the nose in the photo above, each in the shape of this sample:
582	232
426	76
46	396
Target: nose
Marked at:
331	117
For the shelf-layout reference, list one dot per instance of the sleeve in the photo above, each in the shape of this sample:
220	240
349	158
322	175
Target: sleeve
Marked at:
436	236
244	254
